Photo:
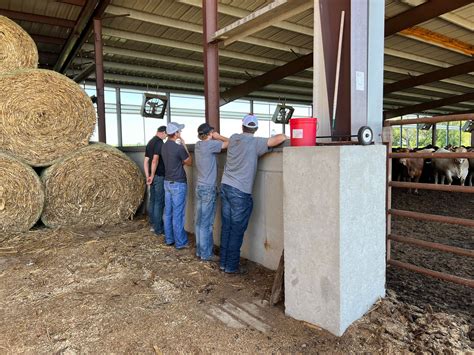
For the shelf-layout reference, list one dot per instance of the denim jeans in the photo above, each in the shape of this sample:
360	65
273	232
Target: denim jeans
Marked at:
175	203
204	220
236	210
157	203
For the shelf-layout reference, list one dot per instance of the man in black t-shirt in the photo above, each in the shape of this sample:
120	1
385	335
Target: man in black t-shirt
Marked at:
175	155
155	176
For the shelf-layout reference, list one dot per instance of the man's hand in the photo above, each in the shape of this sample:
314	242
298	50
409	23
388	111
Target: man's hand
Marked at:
149	180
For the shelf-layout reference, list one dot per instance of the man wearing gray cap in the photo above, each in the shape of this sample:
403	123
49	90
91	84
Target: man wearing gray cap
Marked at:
236	190
175	156
155	177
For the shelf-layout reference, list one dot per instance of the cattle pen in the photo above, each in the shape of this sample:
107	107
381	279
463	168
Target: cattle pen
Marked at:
424	216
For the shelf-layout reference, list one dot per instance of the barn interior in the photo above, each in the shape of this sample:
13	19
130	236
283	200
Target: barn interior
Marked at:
117	287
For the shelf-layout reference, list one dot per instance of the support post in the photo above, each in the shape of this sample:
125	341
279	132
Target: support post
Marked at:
118	103
211	63
99	77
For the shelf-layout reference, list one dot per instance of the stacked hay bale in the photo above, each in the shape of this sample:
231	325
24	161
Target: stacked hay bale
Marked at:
94	186
46	120
21	195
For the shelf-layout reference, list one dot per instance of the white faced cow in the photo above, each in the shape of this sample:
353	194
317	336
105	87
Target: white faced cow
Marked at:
449	168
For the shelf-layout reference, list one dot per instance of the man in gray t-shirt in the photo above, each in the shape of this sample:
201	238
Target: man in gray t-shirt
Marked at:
205	155
237	183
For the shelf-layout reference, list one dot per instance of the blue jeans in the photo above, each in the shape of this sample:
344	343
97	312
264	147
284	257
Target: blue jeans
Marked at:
236	210
157	203
175	203
204	220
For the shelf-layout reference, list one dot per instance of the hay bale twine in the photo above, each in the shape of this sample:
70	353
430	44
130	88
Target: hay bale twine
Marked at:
17	48
97	185
43	116
21	195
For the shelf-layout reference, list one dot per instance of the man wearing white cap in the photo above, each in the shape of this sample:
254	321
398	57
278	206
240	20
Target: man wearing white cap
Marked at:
175	156
237	182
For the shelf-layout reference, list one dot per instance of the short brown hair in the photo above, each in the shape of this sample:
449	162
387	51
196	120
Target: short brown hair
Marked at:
249	130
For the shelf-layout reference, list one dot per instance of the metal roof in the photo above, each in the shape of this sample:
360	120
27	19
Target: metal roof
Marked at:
159	43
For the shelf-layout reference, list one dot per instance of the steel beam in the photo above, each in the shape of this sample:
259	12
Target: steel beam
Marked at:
436	75
73	2
48	20
276	11
263	80
192	27
99	78
240	13
83	75
98	12
48	39
211	63
84	17
429	105
421	13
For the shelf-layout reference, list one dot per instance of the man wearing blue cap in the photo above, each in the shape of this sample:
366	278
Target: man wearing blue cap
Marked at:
175	156
237	182
205	155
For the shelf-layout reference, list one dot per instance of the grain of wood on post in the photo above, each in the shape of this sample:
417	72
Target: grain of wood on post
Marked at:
97	185
17	48
43	116
21	195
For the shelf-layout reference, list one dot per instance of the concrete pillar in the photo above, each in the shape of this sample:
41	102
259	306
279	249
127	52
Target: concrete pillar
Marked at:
334	232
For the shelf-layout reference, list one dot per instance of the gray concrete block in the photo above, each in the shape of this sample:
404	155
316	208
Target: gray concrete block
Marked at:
334	233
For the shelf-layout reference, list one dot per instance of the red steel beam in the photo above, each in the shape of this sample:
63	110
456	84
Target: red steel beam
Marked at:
432	217
436	274
267	78
431	245
211	63
48	20
73	2
415	155
434	187
429	105
421	13
99	79
436	75
48	39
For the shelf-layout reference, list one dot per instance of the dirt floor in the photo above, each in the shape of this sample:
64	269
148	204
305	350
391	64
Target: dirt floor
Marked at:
120	289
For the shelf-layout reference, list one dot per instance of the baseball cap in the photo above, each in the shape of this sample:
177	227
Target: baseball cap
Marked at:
205	128
250	121
174	127
161	129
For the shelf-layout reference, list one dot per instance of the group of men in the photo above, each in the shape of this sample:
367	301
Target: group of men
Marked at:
165	174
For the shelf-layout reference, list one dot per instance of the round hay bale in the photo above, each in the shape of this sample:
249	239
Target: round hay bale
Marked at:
21	195
43	116
97	185
17	48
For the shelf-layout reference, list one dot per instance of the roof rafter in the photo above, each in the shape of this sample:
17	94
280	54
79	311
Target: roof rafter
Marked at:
47	20
421	13
429	105
436	75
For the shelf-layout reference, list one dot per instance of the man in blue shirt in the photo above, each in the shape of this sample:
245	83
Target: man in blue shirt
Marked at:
175	155
205	155
155	177
237	182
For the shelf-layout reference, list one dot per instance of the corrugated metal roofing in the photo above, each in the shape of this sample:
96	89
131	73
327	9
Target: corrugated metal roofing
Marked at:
162	39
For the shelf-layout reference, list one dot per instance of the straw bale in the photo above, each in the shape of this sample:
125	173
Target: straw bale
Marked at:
21	195
17	48
43	116
97	185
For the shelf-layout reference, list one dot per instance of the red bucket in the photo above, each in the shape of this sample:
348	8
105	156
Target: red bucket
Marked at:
303	131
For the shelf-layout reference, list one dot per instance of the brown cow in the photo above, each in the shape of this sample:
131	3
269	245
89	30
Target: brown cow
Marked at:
415	166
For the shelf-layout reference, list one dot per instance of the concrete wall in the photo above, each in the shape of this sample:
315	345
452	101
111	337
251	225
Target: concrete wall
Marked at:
263	241
334	233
